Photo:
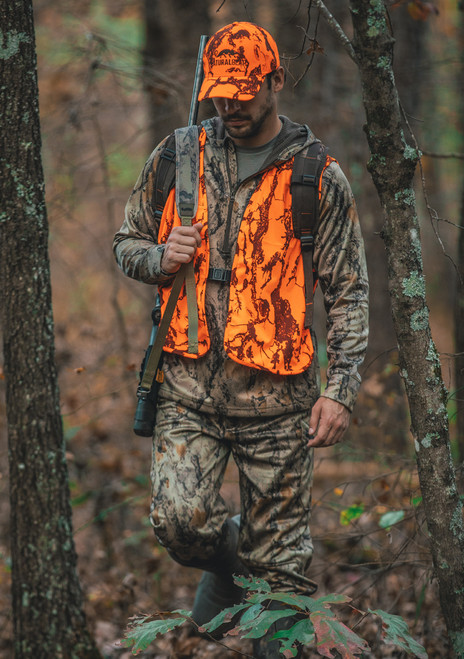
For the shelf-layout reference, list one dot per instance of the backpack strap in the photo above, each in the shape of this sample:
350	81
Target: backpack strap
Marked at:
165	176
308	165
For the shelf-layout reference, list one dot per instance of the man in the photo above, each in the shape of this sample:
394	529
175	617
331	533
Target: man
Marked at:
252	388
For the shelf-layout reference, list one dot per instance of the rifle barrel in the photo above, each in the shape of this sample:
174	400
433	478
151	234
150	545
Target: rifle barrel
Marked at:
193	114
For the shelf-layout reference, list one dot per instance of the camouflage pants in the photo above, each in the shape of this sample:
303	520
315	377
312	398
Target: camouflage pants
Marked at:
190	454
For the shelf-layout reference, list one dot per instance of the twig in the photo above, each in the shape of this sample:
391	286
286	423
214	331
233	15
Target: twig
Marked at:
305	33
311	59
336	27
382	354
432	154
432	212
216	640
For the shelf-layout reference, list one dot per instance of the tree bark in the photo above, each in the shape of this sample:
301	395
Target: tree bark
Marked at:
48	615
392	165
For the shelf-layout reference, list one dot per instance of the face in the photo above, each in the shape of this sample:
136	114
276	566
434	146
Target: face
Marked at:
251	123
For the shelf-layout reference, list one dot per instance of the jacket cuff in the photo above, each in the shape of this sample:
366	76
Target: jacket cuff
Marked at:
155	255
343	389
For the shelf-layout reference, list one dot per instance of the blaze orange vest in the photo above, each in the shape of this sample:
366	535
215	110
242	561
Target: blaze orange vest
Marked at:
265	322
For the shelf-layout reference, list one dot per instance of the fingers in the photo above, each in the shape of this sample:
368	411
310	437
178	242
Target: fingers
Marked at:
181	245
328	423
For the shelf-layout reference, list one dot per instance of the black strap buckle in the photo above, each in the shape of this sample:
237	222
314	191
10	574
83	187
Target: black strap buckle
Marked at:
220	274
169	154
307	243
309	179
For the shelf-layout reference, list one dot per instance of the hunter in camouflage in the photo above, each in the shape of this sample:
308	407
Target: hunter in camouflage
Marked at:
218	404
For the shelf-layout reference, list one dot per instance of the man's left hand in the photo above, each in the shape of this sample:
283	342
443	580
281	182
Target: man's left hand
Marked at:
328	423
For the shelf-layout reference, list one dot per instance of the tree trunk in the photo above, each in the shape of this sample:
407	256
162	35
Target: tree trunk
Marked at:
392	164
47	598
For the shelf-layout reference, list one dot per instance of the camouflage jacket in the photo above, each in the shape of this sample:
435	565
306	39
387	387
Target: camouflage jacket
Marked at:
215	383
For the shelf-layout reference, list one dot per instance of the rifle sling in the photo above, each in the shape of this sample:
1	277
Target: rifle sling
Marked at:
154	357
187	182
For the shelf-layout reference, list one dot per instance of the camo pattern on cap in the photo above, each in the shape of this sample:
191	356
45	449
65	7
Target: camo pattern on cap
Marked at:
236	60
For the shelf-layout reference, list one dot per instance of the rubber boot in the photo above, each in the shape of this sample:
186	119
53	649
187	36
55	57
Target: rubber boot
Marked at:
216	590
264	647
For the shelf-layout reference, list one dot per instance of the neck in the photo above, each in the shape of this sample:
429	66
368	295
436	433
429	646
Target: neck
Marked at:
269	130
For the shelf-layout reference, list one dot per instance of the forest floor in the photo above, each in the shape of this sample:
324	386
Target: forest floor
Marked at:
125	572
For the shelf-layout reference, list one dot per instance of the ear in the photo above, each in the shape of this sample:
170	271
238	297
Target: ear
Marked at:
278	79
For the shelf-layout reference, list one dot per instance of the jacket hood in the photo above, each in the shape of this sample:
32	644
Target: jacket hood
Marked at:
291	139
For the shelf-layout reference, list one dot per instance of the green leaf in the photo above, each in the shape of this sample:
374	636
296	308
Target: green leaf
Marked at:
331	598
140	635
332	634
224	616
81	498
252	613
301	602
350	514
71	432
302	631
395	630
416	501
260	625
253	584
391	518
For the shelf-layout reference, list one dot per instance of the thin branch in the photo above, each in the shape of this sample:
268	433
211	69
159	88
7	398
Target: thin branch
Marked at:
432	212
336	27
432	154
311	59
382	354
306	36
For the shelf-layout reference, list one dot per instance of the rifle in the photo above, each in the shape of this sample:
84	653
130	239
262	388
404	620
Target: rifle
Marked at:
151	374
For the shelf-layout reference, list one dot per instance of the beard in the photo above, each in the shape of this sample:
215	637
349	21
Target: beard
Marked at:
253	126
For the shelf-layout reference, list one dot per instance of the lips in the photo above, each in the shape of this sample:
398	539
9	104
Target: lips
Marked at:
235	121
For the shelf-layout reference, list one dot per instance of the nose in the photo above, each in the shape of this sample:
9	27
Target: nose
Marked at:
231	105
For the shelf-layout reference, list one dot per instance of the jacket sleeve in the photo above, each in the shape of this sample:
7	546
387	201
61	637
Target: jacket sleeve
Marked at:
135	244
340	262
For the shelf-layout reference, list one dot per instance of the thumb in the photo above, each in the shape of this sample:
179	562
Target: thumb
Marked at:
315	417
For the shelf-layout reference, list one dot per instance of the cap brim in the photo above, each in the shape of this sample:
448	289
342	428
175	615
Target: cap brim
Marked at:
240	89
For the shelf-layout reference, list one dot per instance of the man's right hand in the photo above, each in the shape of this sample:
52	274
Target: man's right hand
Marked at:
181	246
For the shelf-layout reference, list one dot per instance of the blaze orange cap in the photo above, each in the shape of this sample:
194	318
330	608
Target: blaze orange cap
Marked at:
236	60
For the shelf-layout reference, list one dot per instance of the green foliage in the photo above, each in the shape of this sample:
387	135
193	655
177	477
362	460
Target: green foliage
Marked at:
146	630
350	514
315	624
395	630
122	164
126	29
391	518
